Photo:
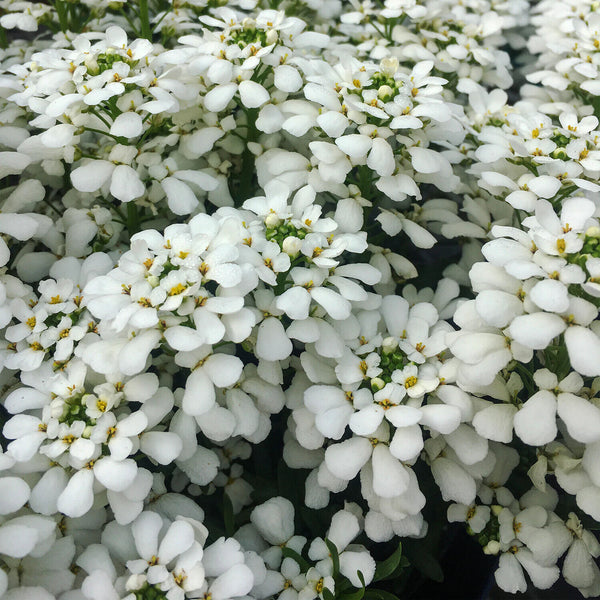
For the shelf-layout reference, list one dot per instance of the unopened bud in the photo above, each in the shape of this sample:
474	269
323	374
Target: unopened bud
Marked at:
385	92
389	65
389	344
593	231
291	245
272	36
496	509
272	220
377	384
492	547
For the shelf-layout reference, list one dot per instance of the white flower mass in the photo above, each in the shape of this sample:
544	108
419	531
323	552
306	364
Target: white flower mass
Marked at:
286	283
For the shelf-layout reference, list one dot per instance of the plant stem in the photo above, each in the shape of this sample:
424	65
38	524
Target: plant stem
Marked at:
61	13
133	218
145	31
3	38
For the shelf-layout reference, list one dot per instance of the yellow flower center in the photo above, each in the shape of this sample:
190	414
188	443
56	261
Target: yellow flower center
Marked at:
410	382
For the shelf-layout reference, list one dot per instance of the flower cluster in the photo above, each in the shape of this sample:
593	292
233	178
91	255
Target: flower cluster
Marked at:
285	283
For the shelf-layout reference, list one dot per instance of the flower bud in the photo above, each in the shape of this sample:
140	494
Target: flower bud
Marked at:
272	36
377	384
153	280
593	231
385	92
135	582
291	245
389	65
492	547
389	344
496	509
272	220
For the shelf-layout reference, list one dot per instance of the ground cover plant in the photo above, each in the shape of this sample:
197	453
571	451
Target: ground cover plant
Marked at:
294	290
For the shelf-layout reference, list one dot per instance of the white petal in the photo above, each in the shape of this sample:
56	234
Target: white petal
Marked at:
78	497
223	369
115	475
544	186
495	422
92	176
274	520
354	145
237	581
425	160
125	184
58	136
15	492
509	575
272	343
367	420
537	330
295	302
199	395
469	446
581	417
583	346
346	459
454	482
390	477
588	499
45	494
287	79
145	530
498	308
351	562
127	124
336	306
253	94
578	568
535	423
381	158
407	443
28	538
203	180
550	295
162	446
183	338
218	98
180	198
178	539
440	417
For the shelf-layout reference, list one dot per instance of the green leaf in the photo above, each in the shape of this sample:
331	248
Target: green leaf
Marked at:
379	595
327	595
228	516
358	594
289	553
425	562
387	568
335	557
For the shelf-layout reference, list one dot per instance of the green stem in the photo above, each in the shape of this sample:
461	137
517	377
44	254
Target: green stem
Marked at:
133	218
248	166
146	31
3	38
62	14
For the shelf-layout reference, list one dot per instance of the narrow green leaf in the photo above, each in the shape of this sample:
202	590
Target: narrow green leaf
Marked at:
388	566
425	562
289	553
380	595
327	595
228	516
335	557
357	595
